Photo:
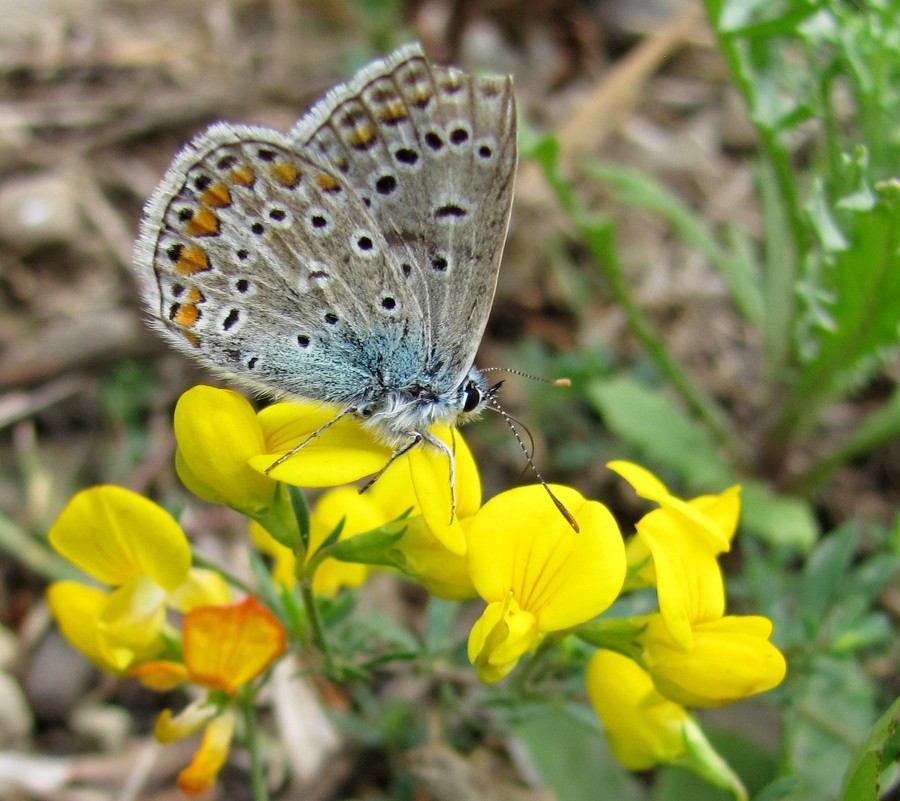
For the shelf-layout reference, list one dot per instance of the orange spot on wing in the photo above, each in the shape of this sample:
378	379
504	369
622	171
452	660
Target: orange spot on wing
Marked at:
393	112
327	182
203	223
192	260
186	315
362	136
243	175
191	337
286	174
194	295
216	196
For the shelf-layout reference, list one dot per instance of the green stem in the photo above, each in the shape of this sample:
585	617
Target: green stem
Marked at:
247	705
315	621
598	237
533	663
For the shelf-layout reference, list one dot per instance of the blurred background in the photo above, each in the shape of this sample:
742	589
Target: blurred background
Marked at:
647	196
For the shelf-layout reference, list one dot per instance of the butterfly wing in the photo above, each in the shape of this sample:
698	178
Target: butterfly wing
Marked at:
432	153
268	266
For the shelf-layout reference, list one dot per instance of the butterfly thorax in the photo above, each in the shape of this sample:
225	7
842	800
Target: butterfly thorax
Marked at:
397	413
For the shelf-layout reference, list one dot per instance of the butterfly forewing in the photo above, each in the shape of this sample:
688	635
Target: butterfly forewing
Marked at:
432	153
252	256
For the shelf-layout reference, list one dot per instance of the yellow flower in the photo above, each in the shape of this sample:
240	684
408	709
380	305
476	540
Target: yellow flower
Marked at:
643	728
132	545
730	658
217	433
432	549
225	647
695	654
536	573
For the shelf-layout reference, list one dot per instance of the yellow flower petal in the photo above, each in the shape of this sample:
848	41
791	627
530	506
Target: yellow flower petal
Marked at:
76	609
227	646
500	637
688	579
723	509
131	622
114	534
731	658
520	543
202	587
430	473
201	774
646	485
425	558
343	453
217	433
642	727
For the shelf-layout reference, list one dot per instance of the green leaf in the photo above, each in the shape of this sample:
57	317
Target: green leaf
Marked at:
862	283
822	578
777	519
832	709
571	759
663	433
613	634
782	787
878	749
372	547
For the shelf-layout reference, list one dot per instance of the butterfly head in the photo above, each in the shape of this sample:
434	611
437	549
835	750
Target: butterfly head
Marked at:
395	412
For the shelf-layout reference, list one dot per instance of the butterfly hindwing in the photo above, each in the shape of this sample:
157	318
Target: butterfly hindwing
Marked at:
432	151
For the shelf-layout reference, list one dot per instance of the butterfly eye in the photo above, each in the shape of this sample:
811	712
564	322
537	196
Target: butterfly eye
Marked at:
366	411
473	397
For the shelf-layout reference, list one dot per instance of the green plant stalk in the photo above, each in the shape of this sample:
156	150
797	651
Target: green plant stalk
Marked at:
599	239
247	704
315	620
780	296
879	428
535	660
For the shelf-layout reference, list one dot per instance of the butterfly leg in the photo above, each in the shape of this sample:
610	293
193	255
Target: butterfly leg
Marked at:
415	439
284	457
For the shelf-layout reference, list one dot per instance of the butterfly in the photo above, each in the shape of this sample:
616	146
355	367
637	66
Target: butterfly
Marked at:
352	261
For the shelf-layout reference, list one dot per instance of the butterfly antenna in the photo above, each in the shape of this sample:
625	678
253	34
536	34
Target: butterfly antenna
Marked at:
495	405
553	382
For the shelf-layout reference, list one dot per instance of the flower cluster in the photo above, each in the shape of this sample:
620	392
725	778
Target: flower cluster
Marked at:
539	578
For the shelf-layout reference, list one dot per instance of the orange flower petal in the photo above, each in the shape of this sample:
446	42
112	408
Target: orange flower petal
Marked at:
227	646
